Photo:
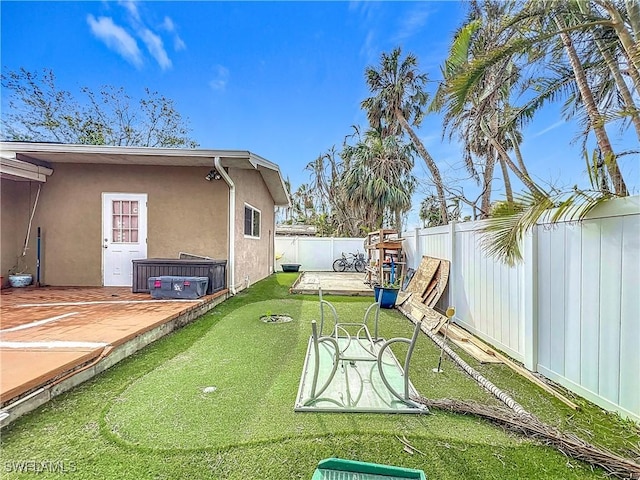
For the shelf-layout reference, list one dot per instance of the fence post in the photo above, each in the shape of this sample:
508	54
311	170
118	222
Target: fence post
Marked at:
418	259
530	300
333	248
453	263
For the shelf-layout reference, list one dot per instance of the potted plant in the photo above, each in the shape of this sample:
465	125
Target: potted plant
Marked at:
18	275
389	293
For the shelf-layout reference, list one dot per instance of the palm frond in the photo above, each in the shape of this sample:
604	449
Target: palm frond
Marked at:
504	232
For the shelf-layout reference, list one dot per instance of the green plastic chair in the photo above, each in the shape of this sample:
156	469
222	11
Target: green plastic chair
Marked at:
340	469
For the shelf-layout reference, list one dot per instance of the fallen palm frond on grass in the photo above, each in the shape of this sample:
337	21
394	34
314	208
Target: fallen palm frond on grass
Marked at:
530	426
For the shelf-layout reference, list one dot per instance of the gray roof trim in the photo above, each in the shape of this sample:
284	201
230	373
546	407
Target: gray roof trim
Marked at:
52	153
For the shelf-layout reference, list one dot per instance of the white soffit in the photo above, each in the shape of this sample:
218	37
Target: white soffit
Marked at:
13	169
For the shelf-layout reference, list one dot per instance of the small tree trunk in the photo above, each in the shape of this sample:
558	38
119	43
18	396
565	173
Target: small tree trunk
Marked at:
431	165
504	155
516	150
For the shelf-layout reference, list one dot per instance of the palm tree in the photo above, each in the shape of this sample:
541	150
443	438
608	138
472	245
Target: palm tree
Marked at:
480	122
619	20
398	104
580	59
380	177
591	107
560	20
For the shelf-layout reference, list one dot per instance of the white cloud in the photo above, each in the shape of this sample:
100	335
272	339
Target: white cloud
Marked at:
132	8
168	26
116	38
220	79
122	39
413	22
156	48
365	9
553	126
178	44
369	49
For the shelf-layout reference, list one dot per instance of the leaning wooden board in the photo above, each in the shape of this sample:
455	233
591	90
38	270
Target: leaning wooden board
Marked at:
423	276
460	337
440	283
429	281
430	318
514	366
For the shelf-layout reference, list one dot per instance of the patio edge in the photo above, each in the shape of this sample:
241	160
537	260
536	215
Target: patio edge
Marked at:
81	373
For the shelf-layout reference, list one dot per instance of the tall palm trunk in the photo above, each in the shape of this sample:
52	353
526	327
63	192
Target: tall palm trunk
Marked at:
632	72
505	173
516	150
508	191
623	89
524	178
627	98
504	156
595	118
487	178
628	43
431	165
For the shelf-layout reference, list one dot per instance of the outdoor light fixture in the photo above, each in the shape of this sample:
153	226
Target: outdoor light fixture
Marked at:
213	175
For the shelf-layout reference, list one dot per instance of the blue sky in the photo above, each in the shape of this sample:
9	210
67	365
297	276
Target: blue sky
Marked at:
281	79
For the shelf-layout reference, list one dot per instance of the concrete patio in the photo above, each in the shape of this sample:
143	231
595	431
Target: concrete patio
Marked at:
52	339
332	283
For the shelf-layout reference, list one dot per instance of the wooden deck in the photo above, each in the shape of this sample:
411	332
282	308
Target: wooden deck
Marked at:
48	335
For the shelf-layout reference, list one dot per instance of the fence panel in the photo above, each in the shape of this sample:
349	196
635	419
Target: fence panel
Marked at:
315	254
488	295
575	294
588	320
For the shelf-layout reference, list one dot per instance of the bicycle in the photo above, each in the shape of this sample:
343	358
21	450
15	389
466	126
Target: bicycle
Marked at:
355	261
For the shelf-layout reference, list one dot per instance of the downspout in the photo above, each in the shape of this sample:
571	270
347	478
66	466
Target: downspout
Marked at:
232	224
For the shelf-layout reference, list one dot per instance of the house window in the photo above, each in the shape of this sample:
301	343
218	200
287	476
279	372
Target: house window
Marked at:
251	221
125	221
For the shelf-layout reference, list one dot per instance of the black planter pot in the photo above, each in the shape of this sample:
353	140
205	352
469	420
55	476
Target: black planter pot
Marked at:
290	267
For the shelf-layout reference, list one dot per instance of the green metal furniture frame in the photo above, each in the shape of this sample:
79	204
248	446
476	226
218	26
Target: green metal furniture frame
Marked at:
346	351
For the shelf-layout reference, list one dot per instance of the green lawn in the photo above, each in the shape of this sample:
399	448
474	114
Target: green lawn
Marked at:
148	416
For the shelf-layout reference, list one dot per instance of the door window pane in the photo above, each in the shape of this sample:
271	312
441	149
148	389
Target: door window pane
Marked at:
124	221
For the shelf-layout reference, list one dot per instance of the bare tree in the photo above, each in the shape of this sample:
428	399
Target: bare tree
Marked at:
39	111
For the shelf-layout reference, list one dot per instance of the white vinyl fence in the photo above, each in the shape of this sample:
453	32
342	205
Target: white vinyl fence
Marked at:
314	254
570	310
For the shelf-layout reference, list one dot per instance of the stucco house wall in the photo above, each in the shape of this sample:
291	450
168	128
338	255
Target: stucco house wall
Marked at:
254	257
187	209
14	218
185	213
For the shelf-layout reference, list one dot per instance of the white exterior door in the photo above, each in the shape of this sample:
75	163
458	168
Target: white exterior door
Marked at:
124	236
